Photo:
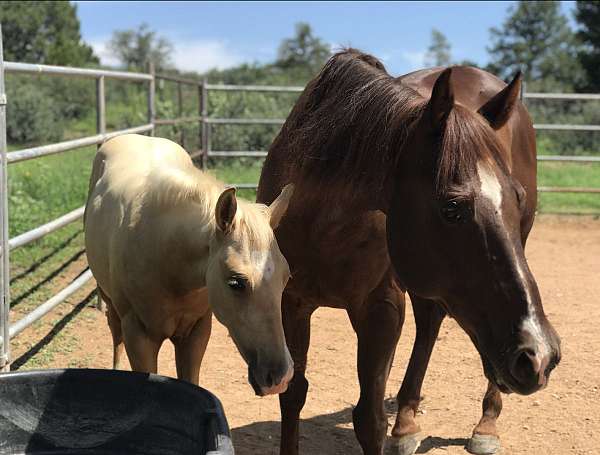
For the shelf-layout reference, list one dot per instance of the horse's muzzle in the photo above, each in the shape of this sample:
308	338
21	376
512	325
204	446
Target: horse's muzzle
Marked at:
272	380
530	371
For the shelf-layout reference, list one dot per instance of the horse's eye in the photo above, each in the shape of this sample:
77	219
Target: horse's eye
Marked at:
455	211
237	283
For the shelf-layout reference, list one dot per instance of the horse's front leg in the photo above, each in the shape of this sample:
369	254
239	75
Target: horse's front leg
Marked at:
378	325
485	439
114	324
189	351
405	433
296	325
142	349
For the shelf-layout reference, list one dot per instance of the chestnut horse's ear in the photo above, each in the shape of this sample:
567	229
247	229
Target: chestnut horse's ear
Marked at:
442	100
225	210
497	110
279	206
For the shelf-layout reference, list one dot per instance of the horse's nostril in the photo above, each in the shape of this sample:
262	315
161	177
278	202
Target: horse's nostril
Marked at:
524	366
269	380
552	364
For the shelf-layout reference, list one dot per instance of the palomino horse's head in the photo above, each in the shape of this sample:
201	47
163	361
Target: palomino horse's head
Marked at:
455	233
246	276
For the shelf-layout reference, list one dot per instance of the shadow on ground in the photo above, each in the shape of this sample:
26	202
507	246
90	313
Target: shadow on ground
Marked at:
56	329
326	434
56	272
41	261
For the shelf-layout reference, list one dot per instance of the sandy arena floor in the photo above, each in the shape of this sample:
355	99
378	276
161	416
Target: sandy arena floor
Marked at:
564	254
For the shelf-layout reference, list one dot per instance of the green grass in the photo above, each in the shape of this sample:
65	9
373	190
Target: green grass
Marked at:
569	175
238	173
43	189
39	191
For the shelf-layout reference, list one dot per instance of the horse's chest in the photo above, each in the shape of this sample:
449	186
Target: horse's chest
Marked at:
174	317
336	259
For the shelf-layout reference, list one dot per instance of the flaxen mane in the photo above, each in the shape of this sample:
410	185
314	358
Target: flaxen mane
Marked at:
353	119
179	182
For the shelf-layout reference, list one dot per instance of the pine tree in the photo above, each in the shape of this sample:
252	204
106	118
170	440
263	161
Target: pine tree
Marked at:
536	38
136	48
303	50
588	16
439	51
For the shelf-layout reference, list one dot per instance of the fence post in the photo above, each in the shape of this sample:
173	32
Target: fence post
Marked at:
100	129
180	114
205	125
4	248
151	100
100	107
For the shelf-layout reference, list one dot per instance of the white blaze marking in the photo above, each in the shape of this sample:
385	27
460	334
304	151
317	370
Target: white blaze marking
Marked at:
263	262
532	325
490	186
491	189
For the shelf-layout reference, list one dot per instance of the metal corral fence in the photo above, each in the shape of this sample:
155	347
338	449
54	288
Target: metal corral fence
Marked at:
565	127
204	121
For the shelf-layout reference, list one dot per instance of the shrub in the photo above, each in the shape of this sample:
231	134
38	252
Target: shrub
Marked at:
31	114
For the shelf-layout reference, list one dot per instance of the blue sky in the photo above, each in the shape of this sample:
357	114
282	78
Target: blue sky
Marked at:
224	34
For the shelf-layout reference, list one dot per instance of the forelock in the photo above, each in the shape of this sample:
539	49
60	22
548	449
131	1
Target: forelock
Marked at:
466	141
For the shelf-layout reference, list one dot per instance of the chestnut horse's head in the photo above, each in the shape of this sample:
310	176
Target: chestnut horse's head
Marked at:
455	235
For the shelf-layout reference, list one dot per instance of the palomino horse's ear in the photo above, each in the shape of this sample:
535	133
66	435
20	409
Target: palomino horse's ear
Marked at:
280	205
497	110
225	210
442	100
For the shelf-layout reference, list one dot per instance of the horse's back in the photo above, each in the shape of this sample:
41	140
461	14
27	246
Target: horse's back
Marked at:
120	176
133	156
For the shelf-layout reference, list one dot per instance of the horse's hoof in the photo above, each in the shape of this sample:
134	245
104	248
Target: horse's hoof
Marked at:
483	444
406	445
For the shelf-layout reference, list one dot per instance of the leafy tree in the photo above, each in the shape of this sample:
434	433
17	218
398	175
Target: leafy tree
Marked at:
588	15
47	33
537	39
438	52
43	32
136	48
303	50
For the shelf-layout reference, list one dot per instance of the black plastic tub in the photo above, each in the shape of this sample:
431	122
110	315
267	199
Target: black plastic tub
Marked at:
108	412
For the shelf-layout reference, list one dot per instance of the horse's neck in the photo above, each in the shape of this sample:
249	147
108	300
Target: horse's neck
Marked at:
191	228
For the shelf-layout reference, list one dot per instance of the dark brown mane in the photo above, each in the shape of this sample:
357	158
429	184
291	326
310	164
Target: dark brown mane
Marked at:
352	120
345	124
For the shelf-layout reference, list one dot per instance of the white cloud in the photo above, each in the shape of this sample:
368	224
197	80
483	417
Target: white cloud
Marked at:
204	55
415	59
199	55
100	47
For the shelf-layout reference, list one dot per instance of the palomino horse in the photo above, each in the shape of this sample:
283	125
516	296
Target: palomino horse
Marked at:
396	191
168	245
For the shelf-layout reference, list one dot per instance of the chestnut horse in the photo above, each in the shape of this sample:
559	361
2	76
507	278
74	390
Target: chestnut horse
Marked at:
430	190
169	245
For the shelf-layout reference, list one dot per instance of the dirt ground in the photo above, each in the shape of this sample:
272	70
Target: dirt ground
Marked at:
564	254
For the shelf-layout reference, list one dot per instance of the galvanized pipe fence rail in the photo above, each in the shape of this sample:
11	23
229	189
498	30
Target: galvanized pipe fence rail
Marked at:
204	123
565	127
